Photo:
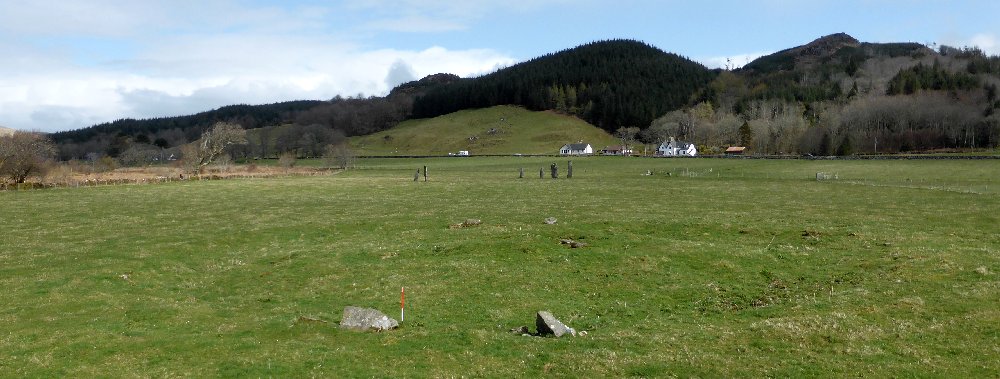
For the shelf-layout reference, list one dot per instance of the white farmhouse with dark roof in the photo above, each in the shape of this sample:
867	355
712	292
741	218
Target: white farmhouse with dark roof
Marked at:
677	149
576	149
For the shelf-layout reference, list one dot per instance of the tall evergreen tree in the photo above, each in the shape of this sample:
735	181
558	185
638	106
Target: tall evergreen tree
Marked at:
746	134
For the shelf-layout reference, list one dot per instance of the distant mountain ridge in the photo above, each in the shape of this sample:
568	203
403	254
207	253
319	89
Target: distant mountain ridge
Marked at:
839	48
622	83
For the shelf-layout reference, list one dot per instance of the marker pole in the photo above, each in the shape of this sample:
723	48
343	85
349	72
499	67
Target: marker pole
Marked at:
402	302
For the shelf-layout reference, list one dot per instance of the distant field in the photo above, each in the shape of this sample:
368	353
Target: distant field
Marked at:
706	267
497	130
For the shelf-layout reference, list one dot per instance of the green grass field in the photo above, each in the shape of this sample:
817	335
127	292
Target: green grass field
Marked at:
503	130
723	268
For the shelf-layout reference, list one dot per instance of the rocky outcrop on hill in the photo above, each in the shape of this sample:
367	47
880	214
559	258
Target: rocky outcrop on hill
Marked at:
826	45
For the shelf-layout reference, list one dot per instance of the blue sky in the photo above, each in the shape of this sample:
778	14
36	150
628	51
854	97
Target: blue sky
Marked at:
70	64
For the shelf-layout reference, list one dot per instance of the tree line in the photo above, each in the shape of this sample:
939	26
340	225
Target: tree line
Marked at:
300	127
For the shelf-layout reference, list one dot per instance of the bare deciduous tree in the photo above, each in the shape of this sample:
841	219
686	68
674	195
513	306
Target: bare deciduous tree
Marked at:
139	154
627	135
213	143
339	155
23	154
287	160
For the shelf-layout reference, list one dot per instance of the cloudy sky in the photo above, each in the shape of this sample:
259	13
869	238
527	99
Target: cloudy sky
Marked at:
68	64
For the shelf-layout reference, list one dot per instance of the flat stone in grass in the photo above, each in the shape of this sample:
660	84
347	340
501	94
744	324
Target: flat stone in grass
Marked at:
572	243
366	319
548	324
468	223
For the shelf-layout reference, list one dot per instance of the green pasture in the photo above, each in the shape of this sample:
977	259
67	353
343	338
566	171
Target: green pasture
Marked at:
496	130
705	267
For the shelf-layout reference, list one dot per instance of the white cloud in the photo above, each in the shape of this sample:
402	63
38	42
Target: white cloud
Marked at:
399	73
989	43
76	97
183	57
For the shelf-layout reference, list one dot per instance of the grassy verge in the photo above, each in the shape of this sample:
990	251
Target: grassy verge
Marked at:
721	268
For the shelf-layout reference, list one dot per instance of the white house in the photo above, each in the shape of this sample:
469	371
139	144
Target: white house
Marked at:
576	149
676	148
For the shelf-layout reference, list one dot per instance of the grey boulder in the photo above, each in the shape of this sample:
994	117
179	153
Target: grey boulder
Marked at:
367	319
548	324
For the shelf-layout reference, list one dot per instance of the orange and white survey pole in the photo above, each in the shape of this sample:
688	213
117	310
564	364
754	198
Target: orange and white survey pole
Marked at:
402	302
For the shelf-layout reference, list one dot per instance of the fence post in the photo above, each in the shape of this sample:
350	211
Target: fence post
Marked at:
425	173
521	173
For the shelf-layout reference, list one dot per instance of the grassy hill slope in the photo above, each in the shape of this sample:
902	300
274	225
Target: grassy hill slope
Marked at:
5	131
495	130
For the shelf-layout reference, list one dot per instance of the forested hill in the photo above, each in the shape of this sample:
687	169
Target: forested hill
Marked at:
840	96
319	122
609	84
813	72
250	116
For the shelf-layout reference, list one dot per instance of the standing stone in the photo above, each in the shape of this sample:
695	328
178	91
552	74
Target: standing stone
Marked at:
569	169
367	319
547	324
521	176
555	171
541	173
416	177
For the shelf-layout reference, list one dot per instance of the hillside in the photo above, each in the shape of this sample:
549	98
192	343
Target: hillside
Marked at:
840	96
610	84
827	68
495	130
6	131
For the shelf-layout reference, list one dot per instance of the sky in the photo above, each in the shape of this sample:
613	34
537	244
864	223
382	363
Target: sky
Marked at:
69	64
